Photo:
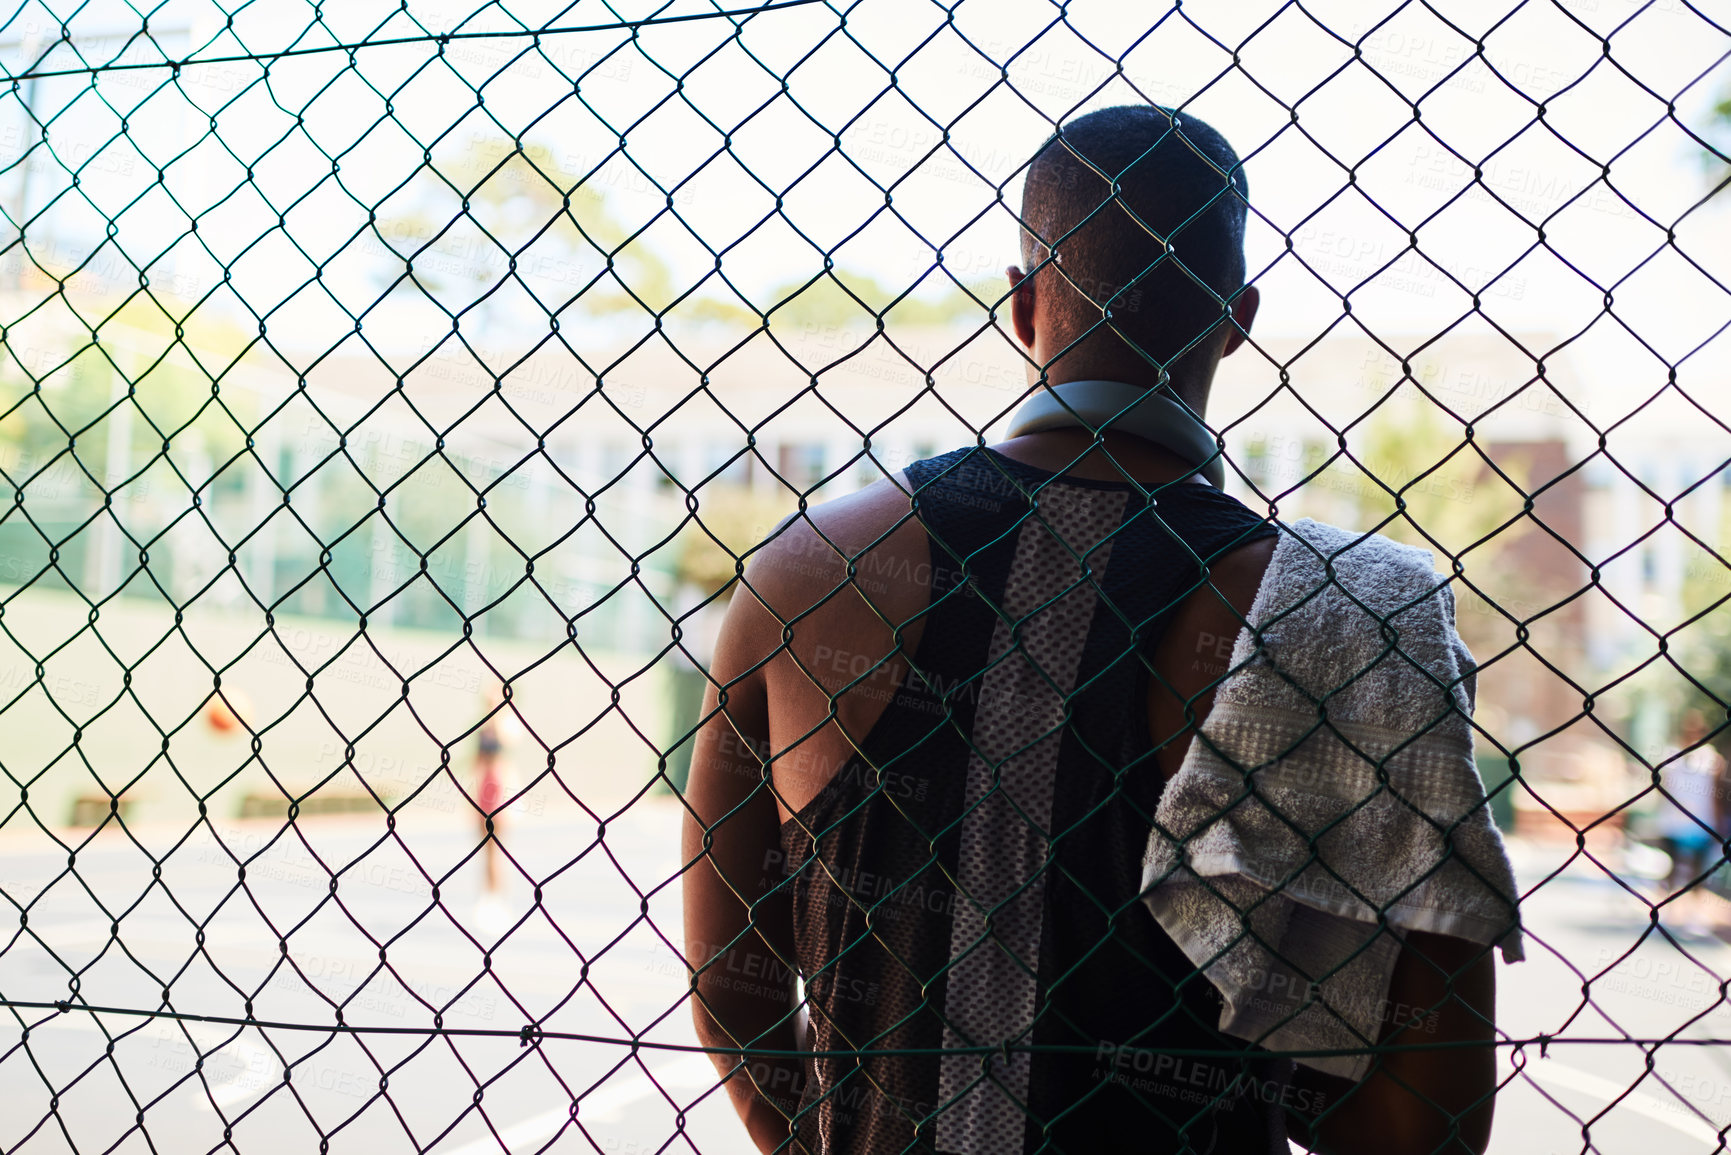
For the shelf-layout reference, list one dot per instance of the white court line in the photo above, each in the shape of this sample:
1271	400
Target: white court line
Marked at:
602	1104
1672	1115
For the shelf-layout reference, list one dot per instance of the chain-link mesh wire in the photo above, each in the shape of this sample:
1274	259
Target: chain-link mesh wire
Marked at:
395	396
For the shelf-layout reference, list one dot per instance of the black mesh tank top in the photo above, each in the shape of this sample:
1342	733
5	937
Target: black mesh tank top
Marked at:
966	887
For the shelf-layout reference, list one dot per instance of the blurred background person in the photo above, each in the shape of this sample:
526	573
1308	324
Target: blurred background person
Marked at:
495	779
1688	821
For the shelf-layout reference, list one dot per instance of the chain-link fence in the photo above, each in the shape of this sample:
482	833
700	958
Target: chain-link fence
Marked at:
393	397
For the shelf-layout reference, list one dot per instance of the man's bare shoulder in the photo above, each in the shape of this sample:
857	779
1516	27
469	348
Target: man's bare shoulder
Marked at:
808	556
1244	567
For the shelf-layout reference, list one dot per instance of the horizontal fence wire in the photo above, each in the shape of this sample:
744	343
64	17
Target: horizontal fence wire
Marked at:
515	635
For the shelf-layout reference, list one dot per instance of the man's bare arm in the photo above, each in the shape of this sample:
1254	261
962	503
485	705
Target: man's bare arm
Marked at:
1434	1100
738	934
790	658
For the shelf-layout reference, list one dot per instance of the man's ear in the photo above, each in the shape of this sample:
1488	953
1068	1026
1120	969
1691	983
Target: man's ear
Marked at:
1021	305
1243	316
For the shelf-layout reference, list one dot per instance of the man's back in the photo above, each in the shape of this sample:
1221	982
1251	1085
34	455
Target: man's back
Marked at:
961	850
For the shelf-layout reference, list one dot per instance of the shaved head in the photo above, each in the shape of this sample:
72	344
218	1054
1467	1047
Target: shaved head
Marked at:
1133	232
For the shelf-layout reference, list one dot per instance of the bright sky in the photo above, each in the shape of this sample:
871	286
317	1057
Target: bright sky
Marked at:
730	140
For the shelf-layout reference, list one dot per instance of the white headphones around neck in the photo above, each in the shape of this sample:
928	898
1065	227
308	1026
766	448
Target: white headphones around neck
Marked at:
1145	413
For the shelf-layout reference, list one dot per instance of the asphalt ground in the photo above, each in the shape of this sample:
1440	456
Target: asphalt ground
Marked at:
594	958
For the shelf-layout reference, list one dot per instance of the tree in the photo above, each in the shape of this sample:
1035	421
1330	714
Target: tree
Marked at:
501	211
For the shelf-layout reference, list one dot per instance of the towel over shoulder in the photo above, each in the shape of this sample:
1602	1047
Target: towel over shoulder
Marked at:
1330	799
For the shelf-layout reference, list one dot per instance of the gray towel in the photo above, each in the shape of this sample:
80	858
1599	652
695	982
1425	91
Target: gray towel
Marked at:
1333	780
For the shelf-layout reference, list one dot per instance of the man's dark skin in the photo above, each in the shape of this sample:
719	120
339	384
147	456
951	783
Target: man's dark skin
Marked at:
796	698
